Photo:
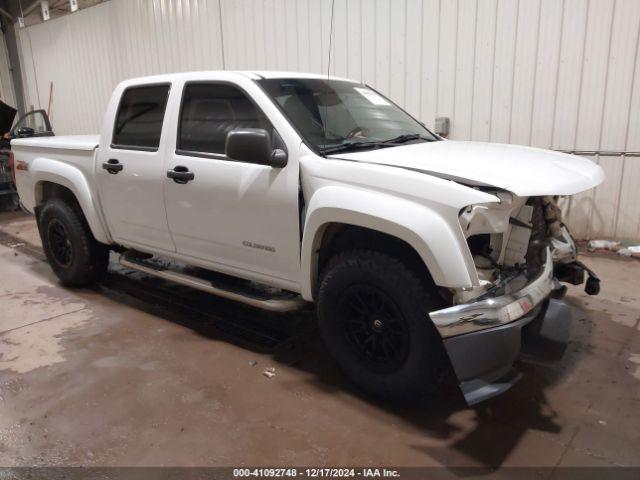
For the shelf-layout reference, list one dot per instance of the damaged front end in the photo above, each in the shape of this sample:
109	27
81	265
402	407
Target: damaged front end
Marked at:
522	252
513	235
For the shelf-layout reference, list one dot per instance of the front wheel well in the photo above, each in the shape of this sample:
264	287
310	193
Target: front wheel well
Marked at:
339	237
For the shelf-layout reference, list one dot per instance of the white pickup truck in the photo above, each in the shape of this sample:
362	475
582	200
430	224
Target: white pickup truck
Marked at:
419	253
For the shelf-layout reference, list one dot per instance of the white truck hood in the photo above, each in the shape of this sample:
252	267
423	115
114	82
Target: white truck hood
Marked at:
524	171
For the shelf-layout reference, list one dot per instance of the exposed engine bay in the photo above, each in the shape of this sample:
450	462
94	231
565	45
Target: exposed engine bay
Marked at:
511	237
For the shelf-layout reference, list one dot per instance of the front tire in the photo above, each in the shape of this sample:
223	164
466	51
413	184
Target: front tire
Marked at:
74	255
373	315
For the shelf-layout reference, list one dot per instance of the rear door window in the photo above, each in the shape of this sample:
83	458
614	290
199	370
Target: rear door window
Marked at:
139	119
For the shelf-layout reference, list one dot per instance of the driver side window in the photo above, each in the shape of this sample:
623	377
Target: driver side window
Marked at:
209	111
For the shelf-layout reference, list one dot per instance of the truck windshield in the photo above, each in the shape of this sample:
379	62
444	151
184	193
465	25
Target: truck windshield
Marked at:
339	116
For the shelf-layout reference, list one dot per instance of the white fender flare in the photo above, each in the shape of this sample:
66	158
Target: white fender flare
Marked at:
47	170
435	236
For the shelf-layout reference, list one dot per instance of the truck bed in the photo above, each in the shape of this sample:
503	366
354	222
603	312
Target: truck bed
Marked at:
67	142
50	159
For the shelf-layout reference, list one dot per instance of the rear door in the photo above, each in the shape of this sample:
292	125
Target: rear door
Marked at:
130	169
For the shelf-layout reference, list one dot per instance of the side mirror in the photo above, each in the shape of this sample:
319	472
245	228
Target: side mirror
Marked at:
25	132
253	145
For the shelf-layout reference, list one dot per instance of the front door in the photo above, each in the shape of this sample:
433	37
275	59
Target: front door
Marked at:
130	171
237	217
33	124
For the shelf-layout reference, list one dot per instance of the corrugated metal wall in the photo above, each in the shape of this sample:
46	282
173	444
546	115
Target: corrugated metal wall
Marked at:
560	74
7	94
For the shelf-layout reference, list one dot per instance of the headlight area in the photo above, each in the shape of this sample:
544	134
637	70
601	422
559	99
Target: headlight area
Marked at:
512	237
498	236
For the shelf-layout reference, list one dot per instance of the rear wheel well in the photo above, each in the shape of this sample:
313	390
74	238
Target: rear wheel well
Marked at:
338	237
48	190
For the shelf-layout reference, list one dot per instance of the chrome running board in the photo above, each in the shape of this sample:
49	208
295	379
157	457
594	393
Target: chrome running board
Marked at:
287	302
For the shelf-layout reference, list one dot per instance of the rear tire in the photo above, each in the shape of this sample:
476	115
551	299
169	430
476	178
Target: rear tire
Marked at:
373	315
74	255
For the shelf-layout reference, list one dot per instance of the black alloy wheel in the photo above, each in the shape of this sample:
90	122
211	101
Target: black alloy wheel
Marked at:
73	253
375	327
60	243
373	314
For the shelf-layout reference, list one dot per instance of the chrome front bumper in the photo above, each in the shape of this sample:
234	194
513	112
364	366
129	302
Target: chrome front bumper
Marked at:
509	302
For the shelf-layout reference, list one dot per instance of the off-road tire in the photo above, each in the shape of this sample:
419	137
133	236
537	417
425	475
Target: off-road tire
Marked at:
412	380
88	258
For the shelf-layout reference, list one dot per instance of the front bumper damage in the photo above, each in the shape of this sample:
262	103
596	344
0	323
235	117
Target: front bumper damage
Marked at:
483	360
483	337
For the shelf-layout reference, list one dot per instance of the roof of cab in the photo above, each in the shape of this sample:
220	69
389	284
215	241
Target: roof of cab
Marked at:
228	74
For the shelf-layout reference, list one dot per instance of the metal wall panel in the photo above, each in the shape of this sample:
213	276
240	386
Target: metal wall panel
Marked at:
87	53
561	74
7	94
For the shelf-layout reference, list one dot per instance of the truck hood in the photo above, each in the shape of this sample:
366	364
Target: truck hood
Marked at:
524	171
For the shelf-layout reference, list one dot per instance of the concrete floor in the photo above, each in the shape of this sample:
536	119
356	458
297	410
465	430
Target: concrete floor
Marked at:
137	372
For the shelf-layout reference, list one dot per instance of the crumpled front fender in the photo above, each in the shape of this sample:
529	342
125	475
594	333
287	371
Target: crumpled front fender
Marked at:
435	236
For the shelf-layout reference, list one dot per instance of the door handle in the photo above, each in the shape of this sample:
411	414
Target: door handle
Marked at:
112	166
180	174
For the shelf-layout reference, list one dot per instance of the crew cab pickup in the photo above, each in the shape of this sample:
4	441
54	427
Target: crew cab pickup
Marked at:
280	190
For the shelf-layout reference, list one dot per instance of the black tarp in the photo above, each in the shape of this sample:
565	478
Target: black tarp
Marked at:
7	115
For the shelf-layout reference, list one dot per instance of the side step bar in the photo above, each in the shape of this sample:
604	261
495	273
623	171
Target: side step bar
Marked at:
287	303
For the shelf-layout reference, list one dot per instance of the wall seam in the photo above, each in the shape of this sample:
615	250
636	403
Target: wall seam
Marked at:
455	62
513	70
578	108
626	135
221	23
473	72
406	39
493	70
535	75
584	49
437	103
558	63
421	60
604	103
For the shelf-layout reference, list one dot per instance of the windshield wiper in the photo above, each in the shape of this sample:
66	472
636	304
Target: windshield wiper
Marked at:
346	147
407	138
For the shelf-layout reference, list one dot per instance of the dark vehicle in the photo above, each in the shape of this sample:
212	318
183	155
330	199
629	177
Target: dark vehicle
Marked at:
33	124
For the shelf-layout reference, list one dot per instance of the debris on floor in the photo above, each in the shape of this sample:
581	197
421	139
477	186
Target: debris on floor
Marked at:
269	372
594	245
253	363
626	248
630	251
